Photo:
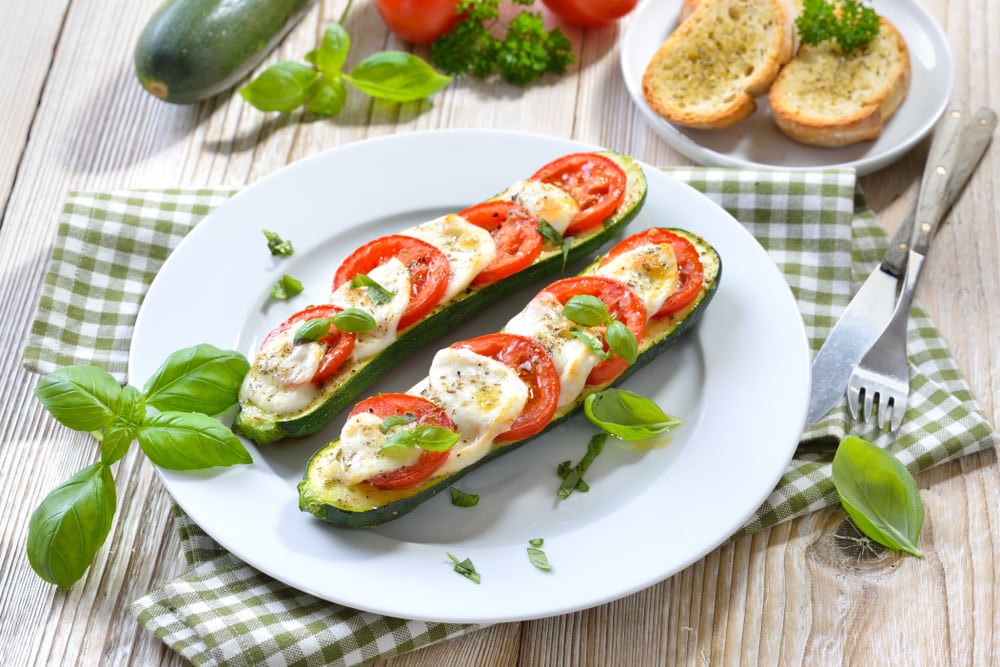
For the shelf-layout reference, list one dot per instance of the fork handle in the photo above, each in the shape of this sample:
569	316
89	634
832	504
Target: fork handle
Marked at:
947	170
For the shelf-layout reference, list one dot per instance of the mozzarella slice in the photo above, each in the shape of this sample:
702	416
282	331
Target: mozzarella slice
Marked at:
546	202
482	396
280	379
393	276
360	454
469	249
543	320
650	270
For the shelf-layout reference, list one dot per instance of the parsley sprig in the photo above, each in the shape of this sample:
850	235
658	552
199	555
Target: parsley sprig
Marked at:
850	23
526	51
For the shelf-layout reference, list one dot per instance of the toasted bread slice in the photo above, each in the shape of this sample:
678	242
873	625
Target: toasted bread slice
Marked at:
710	69
824	97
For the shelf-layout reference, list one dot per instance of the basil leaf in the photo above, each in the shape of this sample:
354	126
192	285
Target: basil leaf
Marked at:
879	494
332	52
190	441
201	378
329	98
286	288
397	76
377	293
277	245
572	476
462	498
550	234
622	341
425	436
120	433
354	320
539	559
84	398
586	310
312	330
465	568
536	542
70	525
592	342
393	421
283	86
628	415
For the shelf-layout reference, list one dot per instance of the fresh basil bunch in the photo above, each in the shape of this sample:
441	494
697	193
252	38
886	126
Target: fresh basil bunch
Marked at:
170	420
321	84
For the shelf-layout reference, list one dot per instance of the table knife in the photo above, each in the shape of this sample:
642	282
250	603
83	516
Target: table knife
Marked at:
871	307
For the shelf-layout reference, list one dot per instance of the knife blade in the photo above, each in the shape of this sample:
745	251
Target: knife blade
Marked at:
871	307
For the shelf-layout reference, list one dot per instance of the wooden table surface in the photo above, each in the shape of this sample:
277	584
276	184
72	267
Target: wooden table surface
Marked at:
74	117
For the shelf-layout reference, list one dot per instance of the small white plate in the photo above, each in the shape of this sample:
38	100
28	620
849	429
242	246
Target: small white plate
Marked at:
648	513
756	142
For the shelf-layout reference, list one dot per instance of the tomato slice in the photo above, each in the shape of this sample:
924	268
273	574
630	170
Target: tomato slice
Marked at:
596	182
515	233
691	273
339	344
623	304
535	368
429	271
426	412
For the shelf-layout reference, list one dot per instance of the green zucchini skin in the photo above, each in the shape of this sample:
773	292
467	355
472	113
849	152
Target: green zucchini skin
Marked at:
193	49
263	429
327	500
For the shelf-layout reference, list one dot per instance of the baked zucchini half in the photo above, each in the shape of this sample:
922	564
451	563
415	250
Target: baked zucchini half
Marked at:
339	391
363	505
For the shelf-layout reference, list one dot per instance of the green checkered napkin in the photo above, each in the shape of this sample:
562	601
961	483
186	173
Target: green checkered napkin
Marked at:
815	226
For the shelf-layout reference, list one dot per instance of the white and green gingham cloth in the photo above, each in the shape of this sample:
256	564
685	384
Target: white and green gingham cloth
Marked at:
815	225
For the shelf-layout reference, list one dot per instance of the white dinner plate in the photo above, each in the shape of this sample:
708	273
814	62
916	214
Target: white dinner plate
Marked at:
648	513
757	142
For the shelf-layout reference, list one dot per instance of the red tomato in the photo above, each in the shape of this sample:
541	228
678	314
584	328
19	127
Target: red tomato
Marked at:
429	271
385	405
419	21
691	273
623	304
535	368
590	13
594	181
515	233
339	344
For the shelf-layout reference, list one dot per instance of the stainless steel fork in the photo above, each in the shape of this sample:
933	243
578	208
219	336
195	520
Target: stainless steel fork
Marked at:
880	384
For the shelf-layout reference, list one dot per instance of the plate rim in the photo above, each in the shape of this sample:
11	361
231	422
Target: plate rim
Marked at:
170	479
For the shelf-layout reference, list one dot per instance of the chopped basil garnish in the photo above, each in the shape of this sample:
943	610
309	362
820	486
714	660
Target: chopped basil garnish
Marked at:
572	475
425	436
286	288
463	499
550	234
354	320
592	342
536	542
277	245
377	293
312	330
628	415
465	568
393	421
539	560
879	494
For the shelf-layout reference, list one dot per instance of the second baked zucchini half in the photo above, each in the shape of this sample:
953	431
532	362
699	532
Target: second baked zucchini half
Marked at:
288	394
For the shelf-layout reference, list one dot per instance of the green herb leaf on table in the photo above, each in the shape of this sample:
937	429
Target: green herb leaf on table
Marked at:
277	245
70	525
201	378
396	76
465	568
329	98
331	55
83	398
286	288
572	475
849	23
190	441
628	415
118	436
461	498
879	494
284	86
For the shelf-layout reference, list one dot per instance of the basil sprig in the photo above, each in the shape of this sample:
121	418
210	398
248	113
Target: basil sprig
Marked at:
72	522
396	76
627	415
589	311
349	320
879	494
377	293
425	436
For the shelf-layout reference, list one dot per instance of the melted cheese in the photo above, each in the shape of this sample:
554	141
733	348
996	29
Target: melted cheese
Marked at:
280	379
650	270
360	454
543	320
469	249
393	276
546	202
